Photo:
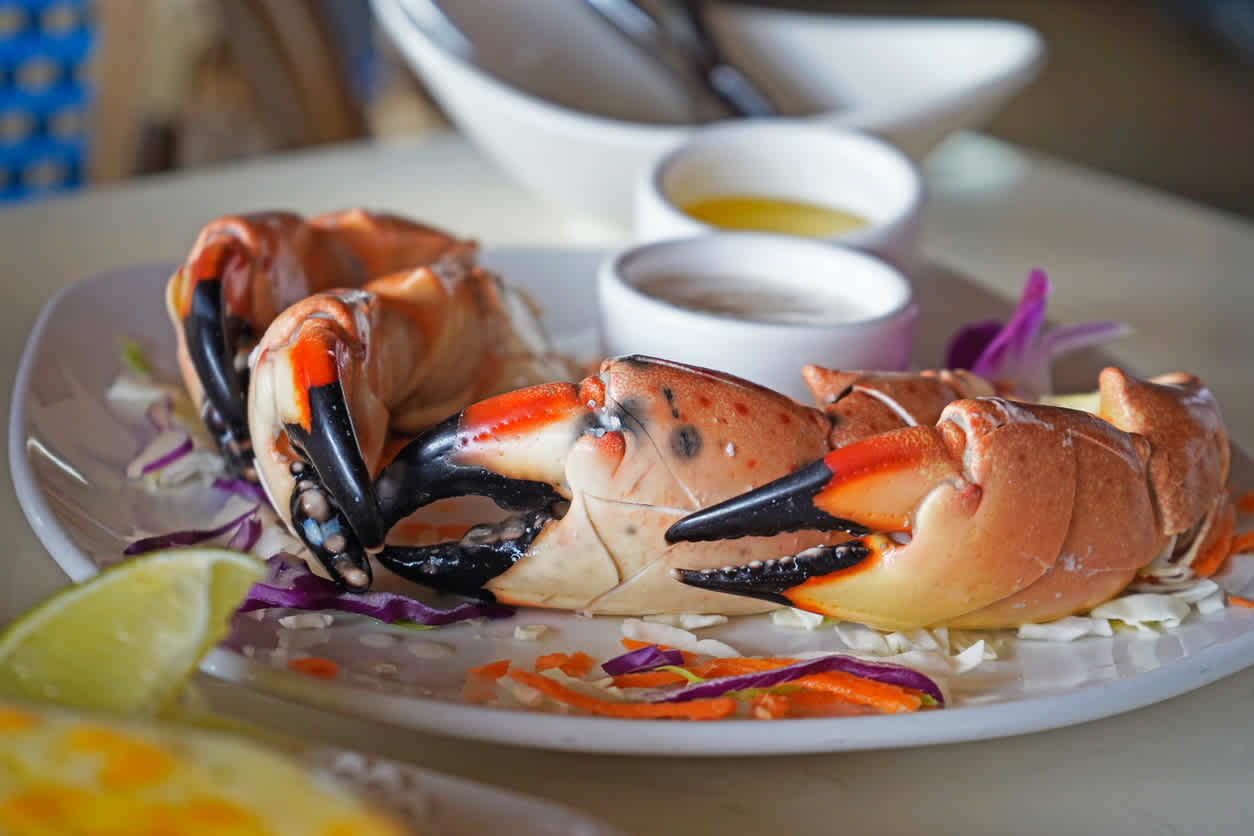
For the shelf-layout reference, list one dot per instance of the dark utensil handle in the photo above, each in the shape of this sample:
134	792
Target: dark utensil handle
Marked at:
732	86
738	93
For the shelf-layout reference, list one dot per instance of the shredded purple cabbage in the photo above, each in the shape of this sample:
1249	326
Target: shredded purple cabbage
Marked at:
174	455
246	536
969	343
193	536
878	671
642	659
290	584
242	487
1017	356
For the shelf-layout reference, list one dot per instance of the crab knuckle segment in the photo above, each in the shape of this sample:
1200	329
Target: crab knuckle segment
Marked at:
960	492
1189	458
861	404
1057	515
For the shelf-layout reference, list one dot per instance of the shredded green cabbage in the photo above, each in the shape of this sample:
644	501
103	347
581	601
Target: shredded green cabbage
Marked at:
133	358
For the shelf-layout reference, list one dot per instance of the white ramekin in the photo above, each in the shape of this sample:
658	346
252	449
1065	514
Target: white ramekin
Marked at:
787	159
769	353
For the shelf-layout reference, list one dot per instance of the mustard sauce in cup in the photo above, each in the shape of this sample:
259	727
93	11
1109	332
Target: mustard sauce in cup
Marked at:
772	214
785	176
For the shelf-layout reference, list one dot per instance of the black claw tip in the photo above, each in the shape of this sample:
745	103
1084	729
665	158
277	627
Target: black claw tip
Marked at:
466	565
326	533
770	580
214	339
427	469
330	446
232	442
786	504
348	572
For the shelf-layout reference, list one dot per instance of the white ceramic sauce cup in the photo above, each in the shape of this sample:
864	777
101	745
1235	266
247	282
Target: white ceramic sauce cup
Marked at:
788	160
823	304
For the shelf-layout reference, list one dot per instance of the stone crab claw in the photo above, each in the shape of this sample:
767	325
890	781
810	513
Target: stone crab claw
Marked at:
243	270
342	378
511	449
596	471
1002	513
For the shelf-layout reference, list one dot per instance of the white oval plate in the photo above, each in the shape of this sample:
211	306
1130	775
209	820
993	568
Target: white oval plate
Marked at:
442	805
68	454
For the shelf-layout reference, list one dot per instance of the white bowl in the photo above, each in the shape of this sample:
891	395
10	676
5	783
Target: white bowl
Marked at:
825	304
790	160
570	109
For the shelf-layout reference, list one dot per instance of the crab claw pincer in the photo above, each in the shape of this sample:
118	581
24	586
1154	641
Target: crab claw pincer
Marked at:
243	270
509	449
984	520
594	472
342	378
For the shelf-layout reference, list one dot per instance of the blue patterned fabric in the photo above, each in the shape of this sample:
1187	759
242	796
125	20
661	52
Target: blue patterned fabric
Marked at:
45	97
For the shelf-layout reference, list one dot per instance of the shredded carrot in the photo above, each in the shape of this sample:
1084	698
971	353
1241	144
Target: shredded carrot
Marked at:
824	704
480	685
578	664
885	696
1211	562
850	689
636	644
769	706
1217	546
828	694
773	706
581	664
1214	560
1243	542
1245	503
738	665
648	679
550	660
707	709
491	670
1238	601
315	666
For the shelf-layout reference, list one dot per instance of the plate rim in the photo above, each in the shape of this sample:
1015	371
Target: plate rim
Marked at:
586	734
458	792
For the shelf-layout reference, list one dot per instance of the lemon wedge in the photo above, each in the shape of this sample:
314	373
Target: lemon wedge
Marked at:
126	640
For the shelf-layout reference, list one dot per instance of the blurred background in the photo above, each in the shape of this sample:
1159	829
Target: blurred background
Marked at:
98	91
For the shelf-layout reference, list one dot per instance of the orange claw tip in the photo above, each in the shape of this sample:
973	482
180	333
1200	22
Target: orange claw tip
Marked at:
880	480
311	361
522	411
314	362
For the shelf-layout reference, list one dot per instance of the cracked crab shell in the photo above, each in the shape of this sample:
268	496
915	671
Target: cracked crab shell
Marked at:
677	439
